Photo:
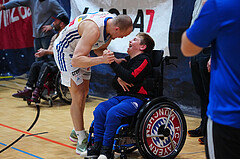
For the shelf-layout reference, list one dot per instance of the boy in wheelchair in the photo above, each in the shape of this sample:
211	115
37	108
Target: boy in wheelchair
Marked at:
40	69
128	82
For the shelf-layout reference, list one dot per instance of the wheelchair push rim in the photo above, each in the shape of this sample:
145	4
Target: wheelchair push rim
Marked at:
155	140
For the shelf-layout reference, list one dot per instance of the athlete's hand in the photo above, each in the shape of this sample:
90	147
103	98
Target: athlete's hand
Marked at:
124	84
2	7
41	52
46	28
108	57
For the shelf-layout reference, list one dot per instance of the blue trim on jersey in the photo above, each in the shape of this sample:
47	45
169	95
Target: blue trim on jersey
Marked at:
93	13
64	44
106	38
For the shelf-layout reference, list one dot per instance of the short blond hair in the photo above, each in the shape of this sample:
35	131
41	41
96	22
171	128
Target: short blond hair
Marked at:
124	22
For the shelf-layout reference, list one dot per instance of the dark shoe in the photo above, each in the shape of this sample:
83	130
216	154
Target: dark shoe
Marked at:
26	93
195	133
201	140
92	151
36	95
105	152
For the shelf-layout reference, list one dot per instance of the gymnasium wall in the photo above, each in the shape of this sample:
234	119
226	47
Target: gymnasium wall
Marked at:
16	41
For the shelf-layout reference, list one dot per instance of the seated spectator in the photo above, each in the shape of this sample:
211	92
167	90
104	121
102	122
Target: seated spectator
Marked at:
40	69
41	11
131	95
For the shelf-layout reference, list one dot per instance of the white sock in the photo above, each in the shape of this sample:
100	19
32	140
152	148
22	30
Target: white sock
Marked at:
30	88
102	157
81	136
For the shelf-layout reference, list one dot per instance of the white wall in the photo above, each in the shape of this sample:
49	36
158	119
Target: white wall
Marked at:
156	15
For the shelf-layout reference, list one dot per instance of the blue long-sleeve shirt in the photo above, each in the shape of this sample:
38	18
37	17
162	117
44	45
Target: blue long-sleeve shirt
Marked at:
41	13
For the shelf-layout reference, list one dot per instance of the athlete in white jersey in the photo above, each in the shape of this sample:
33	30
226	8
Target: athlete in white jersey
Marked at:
71	52
66	43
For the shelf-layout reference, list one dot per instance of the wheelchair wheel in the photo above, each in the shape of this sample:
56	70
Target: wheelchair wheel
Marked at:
46	94
49	89
29	102
63	91
162	131
50	102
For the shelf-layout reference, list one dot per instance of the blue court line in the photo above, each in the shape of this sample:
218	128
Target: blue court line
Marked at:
22	151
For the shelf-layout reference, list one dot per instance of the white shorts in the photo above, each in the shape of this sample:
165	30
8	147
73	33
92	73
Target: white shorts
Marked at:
77	76
67	71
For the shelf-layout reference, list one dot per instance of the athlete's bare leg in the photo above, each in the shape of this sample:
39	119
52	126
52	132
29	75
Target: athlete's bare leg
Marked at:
78	94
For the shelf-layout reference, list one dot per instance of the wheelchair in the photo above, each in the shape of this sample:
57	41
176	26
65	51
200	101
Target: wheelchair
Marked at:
159	129
53	88
63	91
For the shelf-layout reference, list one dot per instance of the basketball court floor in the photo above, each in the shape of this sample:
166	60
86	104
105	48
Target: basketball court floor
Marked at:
48	138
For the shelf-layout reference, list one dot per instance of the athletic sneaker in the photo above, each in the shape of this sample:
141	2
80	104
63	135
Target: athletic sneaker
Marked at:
36	95
92	151
73	136
201	140
105	152
82	147
26	93
195	133
102	157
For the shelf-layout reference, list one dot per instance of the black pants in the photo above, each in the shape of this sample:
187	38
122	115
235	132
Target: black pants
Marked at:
38	73
201	80
223	142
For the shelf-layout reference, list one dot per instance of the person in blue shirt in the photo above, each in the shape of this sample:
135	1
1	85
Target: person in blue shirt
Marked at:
219	25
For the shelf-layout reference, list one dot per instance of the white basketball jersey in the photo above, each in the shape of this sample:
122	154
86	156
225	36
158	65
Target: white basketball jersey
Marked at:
68	38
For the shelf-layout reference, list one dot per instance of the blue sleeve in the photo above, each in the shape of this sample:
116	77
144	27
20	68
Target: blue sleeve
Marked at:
16	3
206	27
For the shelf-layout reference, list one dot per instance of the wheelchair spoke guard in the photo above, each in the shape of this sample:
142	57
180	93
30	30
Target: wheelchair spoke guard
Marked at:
162	132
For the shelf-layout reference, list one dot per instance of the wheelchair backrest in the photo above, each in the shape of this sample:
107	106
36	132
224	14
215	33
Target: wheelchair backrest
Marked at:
157	57
154	82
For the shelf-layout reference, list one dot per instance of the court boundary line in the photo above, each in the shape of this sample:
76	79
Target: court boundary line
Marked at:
25	152
46	139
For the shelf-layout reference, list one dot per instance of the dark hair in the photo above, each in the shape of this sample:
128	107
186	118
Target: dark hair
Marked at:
124	22
63	18
146	40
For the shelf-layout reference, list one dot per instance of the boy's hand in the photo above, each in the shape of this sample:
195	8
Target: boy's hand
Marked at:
118	61
124	84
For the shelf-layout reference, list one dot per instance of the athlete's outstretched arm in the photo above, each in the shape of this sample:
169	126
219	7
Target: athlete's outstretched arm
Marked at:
89	33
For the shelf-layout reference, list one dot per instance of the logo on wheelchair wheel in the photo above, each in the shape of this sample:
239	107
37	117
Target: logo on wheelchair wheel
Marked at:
161	140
